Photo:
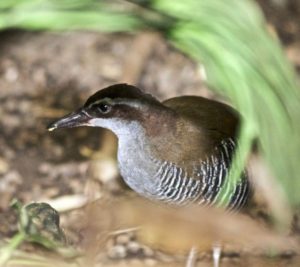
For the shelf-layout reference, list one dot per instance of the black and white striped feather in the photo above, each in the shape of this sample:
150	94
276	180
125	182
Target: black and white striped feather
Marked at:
202	186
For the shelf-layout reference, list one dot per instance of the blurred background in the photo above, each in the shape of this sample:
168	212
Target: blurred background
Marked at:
53	55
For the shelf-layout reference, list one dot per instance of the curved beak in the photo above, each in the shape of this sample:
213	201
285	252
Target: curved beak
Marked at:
75	119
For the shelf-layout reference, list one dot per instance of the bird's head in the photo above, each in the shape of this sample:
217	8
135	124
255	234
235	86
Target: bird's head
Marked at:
115	108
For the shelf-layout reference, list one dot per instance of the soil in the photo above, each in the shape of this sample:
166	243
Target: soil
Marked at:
46	75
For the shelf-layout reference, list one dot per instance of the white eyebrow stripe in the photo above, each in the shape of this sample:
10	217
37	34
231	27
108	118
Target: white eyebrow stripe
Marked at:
135	103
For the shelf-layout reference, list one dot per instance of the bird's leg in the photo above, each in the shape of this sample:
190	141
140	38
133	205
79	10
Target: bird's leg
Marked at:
192	258
216	253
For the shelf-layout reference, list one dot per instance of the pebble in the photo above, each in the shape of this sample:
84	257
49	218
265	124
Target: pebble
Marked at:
164	257
104	170
133	247
10	181
3	166
11	74
148	252
39	76
117	252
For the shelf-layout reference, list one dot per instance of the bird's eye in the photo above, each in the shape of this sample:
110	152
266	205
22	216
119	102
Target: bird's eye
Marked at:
103	107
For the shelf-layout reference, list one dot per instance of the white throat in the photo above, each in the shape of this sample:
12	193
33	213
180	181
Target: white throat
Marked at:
118	126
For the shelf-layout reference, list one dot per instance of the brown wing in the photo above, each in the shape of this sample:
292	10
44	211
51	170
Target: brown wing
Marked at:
215	117
200	127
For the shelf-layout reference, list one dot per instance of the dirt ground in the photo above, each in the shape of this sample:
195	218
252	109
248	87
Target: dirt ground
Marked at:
45	75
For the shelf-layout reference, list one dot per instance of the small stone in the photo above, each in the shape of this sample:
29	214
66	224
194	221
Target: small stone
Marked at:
148	252
122	239
117	252
104	170
110	70
3	166
39	76
11	74
133	247
10	181
166	258
45	168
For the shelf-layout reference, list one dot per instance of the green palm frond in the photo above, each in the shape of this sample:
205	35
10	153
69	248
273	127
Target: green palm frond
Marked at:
66	15
247	65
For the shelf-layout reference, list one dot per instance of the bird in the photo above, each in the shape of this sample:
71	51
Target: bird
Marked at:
178	151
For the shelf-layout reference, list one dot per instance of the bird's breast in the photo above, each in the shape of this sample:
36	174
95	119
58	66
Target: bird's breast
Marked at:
137	168
166	181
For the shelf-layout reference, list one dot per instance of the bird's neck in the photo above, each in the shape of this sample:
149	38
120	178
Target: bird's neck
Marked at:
135	158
